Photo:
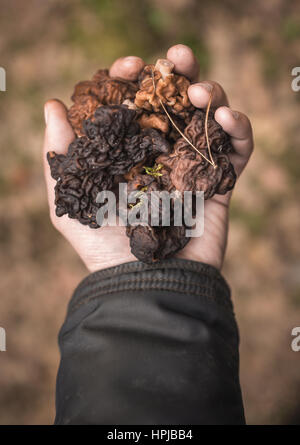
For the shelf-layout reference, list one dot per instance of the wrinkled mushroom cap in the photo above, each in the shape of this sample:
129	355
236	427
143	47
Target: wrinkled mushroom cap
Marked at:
169	88
101	90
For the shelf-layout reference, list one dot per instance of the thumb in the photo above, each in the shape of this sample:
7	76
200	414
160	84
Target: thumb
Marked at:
58	135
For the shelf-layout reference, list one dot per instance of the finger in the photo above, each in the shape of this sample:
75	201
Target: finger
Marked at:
59	132
199	94
127	68
58	135
238	126
184	60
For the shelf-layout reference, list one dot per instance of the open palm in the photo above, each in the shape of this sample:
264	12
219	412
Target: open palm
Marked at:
109	246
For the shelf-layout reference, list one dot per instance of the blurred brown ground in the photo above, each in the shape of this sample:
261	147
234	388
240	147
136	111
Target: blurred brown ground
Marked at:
46	46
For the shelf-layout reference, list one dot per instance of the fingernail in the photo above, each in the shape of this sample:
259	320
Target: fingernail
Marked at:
130	58
205	85
235	114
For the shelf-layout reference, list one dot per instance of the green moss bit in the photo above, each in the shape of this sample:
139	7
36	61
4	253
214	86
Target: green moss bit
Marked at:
154	171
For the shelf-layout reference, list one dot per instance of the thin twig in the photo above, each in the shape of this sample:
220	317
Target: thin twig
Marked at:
206	127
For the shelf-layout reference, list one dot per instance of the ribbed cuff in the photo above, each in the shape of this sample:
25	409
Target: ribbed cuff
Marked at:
177	275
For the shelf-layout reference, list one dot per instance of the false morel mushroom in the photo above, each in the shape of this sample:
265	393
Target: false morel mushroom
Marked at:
151	242
112	145
101	90
188	170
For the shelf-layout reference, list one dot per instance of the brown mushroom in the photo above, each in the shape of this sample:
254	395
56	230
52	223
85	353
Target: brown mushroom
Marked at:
158	84
101	90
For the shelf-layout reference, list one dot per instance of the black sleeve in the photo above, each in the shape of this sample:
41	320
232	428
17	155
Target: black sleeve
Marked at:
150	344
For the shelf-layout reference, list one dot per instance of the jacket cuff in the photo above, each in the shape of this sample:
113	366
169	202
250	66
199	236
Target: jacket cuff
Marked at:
177	275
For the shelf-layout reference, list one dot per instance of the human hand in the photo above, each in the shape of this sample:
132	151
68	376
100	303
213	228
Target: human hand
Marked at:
109	246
